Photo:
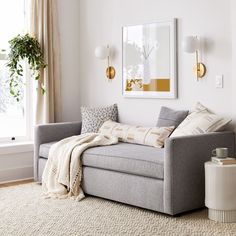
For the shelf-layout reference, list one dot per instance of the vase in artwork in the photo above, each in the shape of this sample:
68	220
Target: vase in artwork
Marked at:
146	71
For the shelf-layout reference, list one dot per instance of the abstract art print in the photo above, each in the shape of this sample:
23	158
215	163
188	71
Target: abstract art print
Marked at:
149	60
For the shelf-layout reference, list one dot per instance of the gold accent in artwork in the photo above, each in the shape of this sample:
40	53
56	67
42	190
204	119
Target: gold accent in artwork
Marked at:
155	85
158	85
134	85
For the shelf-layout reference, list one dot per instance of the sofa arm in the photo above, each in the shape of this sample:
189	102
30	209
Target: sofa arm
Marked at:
52	132
184	182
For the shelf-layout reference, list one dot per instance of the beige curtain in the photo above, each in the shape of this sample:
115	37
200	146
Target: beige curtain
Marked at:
43	24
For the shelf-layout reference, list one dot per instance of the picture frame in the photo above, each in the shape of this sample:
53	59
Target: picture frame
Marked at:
149	60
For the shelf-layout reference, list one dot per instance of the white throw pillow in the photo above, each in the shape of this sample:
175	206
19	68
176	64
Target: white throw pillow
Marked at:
199	122
137	134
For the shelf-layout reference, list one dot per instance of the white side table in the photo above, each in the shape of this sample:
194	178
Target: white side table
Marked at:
220	192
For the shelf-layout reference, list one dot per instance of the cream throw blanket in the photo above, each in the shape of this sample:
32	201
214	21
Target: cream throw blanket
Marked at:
63	171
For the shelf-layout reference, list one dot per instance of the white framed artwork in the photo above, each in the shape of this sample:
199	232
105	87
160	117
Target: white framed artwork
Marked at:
149	60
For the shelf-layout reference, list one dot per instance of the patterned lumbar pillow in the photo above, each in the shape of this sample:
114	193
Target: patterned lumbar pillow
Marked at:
137	134
170	117
93	118
199	122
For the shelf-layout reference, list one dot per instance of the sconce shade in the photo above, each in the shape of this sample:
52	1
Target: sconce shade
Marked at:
102	52
190	44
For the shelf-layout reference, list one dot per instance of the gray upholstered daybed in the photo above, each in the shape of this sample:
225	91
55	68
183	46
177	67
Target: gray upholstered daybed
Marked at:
168	180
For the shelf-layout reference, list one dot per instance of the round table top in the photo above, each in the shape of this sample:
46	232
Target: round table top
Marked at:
210	163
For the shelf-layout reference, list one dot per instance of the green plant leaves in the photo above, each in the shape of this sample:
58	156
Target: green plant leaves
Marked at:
24	47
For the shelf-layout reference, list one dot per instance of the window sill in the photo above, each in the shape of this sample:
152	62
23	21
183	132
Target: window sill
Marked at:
16	147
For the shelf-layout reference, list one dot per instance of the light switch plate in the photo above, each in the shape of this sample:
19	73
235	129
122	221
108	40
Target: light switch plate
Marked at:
219	81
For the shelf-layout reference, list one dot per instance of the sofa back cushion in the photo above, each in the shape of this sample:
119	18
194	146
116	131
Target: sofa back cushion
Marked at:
93	118
199	122
150	136
170	117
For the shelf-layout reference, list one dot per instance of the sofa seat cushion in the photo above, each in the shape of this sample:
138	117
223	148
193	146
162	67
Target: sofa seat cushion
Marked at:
122	157
127	158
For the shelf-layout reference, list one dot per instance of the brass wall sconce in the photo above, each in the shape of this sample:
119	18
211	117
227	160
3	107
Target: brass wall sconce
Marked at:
191	44
103	52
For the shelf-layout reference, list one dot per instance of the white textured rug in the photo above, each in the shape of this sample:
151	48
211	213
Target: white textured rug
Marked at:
24	212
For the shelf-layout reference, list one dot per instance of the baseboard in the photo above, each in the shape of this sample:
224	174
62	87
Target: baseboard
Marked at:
16	181
16	174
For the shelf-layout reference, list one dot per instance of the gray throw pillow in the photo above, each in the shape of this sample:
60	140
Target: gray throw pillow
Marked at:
93	118
170	117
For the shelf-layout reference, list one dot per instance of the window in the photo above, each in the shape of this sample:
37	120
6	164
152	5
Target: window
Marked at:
14	116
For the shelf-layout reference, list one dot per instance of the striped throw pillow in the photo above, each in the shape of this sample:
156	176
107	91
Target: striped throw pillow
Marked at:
200	121
150	136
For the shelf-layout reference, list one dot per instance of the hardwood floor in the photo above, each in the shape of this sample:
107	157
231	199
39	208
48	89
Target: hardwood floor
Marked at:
16	183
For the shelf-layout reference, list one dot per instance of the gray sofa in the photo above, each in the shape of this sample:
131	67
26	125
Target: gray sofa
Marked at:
168	180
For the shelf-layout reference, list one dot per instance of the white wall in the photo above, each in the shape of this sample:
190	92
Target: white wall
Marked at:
16	162
100	23
233	28
68	12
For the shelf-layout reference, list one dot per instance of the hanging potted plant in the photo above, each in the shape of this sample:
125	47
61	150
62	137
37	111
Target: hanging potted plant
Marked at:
23	48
